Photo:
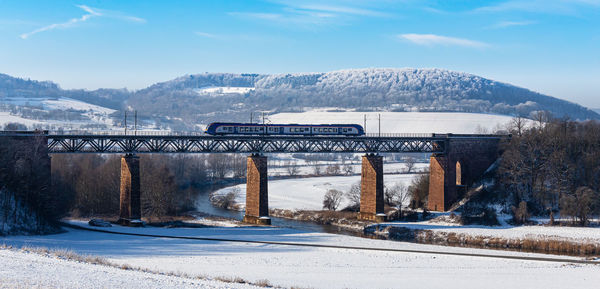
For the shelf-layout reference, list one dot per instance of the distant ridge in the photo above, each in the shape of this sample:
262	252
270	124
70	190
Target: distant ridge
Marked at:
186	101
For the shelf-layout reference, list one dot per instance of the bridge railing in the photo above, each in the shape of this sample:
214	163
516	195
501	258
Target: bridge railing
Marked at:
400	135
201	133
129	133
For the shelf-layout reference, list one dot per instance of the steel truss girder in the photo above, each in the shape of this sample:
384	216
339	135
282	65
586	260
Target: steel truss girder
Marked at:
242	144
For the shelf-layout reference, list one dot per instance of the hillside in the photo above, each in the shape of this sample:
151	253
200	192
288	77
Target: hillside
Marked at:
187	101
207	97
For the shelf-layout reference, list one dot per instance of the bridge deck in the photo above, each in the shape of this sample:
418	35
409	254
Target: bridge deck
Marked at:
89	143
133	142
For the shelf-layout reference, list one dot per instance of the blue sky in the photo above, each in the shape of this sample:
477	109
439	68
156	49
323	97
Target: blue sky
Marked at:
550	46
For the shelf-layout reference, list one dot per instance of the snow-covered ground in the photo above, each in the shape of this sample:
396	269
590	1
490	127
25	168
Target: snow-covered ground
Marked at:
62	103
403	122
281	168
588	234
30	270
7	117
308	193
94	114
219	90
306	267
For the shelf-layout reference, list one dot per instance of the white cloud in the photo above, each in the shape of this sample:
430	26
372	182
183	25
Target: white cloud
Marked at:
342	10
204	34
505	24
92	12
541	6
432	40
314	13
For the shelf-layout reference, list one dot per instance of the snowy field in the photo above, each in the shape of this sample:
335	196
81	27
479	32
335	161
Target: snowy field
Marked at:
7	117
30	270
93	114
305	267
308	193
507	231
403	122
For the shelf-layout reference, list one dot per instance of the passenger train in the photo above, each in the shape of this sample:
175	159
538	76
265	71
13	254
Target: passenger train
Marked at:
227	128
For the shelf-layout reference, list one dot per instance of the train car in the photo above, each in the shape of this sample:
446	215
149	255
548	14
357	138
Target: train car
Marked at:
226	128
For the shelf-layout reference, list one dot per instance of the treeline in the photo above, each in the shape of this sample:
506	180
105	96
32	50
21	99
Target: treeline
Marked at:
89	184
553	166
27	202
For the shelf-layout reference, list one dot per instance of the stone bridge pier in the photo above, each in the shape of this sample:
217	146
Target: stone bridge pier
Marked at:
371	189
452	173
257	191
130	204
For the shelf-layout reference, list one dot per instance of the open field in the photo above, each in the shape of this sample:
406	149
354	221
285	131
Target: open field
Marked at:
309	267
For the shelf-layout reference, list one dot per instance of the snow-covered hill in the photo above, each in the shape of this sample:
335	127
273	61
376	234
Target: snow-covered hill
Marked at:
403	122
54	113
376	89
185	102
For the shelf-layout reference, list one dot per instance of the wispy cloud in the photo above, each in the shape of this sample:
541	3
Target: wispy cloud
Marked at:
506	24
316	13
433	40
541	6
205	34
343	10
91	13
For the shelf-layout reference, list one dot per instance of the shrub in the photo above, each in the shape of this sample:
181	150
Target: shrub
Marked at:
353	195
419	191
520	214
226	201
332	199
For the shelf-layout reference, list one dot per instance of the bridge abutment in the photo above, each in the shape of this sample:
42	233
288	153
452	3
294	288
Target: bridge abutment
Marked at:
130	203
452	173
371	189
257	192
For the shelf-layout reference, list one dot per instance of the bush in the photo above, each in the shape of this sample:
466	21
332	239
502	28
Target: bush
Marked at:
353	195
332	199
226	201
419	191
520	214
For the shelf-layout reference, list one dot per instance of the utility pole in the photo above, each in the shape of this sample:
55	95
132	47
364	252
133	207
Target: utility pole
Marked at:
365	123
135	122
379	129
250	117
125	121
264	124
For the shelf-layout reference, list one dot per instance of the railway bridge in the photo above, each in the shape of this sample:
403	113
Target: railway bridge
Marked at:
456	161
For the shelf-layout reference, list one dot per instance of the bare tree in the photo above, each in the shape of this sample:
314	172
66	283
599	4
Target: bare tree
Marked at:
333	169
410	163
332	199
292	168
348	169
395	195
578	205
419	191
353	195
517	126
239	165
316	167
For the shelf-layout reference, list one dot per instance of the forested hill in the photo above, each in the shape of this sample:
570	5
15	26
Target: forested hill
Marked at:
25	88
188	100
202	95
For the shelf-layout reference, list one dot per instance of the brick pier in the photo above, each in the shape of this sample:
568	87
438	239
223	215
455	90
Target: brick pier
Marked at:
130	212
371	189
452	173
257	192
